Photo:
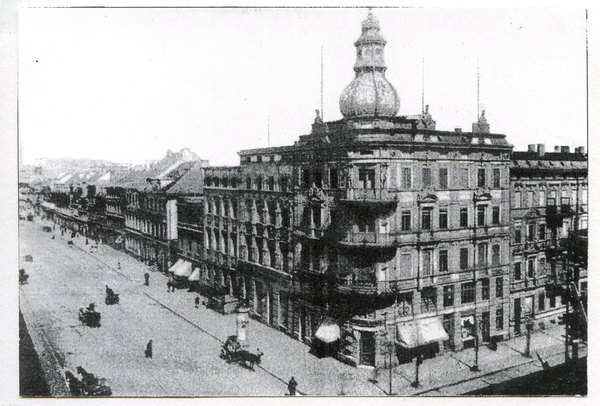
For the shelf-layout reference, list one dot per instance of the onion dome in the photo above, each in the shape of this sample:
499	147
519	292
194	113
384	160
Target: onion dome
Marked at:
369	94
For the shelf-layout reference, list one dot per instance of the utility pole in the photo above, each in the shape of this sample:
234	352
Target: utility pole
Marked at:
475	368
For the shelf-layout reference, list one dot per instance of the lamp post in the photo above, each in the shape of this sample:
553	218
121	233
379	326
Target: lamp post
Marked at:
475	368
418	362
529	327
389	348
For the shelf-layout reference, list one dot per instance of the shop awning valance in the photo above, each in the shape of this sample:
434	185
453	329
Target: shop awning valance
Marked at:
184	270
420	332
176	265
328	332
195	276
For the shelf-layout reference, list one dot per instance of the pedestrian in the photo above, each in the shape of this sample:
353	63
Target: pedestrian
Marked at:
118	265
86	241
169	286
197	301
292	386
148	351
146	278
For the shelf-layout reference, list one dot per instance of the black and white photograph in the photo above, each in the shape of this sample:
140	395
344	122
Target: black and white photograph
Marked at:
314	201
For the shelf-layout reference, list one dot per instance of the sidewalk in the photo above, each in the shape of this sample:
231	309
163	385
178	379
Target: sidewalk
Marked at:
284	357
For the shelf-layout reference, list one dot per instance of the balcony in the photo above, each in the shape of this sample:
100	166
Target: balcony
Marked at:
370	196
372	239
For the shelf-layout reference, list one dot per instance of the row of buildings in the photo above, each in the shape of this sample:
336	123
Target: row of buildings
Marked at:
372	230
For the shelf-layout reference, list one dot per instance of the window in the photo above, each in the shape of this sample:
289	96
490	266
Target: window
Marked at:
542	302
530	232
517	236
552	301
427	263
333	178
443	178
496	175
448	296
426	177
426	219
316	211
499	318
542	266
517	200
481	177
485	289
259	183
464	217
464	178
495	255
518	275
482	255
499	287
406	265
406	178
467	292
542	232
248	182
366	178
542	194
283	184
443	261
480	216
428	299
366	225
531	268
464	258
306	178
495	215
406	221
443	219
318	179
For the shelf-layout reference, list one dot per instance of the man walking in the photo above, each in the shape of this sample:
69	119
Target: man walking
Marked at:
148	351
147	279
197	301
292	386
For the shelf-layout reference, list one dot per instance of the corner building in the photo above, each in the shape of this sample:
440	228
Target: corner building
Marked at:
373	234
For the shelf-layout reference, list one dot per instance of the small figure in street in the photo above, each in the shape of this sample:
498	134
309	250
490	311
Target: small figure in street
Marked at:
146	278
292	386
169	286
197	301
148	351
91	308
118	265
86	241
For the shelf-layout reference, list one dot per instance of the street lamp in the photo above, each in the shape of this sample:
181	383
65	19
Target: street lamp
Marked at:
475	368
389	347
529	327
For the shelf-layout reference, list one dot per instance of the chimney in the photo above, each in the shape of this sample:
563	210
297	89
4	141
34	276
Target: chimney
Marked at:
531	148
556	148
541	149
565	149
458	130
580	150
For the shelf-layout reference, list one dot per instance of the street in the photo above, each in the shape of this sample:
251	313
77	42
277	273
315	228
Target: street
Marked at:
187	341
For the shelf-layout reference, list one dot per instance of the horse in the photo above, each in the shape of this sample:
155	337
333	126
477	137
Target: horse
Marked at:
248	358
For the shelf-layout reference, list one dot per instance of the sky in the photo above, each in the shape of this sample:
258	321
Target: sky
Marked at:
128	84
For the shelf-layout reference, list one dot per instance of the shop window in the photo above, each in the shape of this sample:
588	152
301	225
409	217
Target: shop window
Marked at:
428	299
499	318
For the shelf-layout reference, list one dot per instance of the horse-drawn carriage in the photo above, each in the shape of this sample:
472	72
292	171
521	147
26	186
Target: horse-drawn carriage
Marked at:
88	385
232	351
111	297
89	316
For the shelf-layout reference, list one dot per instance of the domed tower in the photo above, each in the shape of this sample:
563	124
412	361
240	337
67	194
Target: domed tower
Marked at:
369	94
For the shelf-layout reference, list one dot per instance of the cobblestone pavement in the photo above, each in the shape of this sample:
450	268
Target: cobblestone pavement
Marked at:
187	340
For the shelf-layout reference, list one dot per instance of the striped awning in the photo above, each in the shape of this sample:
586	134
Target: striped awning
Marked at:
328	332
176	265
420	332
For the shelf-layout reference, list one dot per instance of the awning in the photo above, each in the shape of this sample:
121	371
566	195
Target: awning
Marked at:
195	276
420	332
176	265
328	332
184	270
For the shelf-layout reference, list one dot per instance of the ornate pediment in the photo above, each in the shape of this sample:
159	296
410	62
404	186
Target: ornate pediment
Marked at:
427	198
317	194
